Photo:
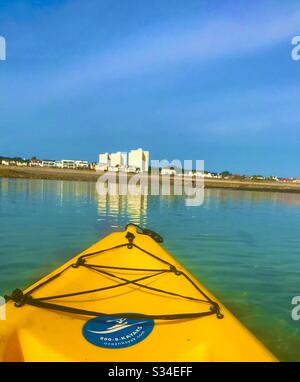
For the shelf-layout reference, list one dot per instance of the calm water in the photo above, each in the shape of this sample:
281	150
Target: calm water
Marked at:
244	246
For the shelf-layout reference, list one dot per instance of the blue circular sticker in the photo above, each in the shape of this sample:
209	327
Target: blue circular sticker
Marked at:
116	333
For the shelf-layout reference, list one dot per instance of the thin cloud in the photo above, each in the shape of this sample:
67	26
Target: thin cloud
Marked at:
155	51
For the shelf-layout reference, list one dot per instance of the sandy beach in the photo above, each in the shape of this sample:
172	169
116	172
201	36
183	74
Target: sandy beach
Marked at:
90	175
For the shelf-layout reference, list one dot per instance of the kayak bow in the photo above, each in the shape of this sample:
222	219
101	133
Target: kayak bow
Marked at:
123	299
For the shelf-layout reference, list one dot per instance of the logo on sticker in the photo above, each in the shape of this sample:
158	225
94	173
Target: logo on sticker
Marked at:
116	333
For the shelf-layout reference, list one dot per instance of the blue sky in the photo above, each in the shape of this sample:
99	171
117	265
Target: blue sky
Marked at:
210	80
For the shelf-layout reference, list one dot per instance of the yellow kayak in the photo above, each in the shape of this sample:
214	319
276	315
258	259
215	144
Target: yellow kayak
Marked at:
123	299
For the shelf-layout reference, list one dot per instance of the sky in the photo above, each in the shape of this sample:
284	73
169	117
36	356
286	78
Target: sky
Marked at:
211	80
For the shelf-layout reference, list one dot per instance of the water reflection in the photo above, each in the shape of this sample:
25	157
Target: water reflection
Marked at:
65	189
223	195
134	207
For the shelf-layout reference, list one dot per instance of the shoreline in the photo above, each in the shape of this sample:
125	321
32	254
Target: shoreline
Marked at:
15	172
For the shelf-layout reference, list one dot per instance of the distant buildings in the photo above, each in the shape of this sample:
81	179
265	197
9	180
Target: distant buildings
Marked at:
49	163
198	174
12	163
134	161
17	161
290	180
66	163
82	164
35	162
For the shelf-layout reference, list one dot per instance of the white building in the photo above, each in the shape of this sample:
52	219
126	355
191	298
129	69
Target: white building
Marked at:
277	179
49	163
81	164
124	159
104	159
139	159
134	161
66	163
116	159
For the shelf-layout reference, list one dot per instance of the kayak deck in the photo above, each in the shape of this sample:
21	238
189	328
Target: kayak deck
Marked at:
135	277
